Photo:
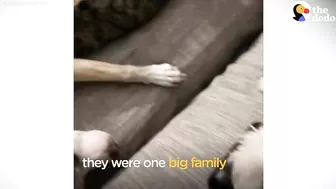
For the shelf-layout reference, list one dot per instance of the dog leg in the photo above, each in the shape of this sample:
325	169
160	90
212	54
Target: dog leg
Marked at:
159	74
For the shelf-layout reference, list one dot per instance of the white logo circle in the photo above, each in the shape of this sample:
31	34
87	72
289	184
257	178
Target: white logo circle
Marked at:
307	6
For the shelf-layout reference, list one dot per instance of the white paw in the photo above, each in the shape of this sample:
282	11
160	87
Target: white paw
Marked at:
165	75
93	144
261	84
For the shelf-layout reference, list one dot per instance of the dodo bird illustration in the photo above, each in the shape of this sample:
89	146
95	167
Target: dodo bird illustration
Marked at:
298	11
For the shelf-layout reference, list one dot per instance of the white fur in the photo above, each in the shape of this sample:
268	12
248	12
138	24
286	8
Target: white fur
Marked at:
247	172
91	144
164	75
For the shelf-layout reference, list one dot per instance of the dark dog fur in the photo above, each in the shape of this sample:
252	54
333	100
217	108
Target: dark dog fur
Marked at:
97	22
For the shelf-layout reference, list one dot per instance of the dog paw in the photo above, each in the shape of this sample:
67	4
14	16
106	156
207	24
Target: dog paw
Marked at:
165	75
95	144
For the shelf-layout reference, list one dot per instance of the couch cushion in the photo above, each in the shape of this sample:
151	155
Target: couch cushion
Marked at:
198	36
205	129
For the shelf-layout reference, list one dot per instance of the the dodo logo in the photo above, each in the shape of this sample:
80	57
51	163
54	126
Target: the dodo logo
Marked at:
301	11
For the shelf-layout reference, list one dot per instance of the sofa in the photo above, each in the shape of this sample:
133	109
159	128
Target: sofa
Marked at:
218	44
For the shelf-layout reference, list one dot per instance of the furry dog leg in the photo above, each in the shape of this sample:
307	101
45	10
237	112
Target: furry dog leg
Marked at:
160	74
